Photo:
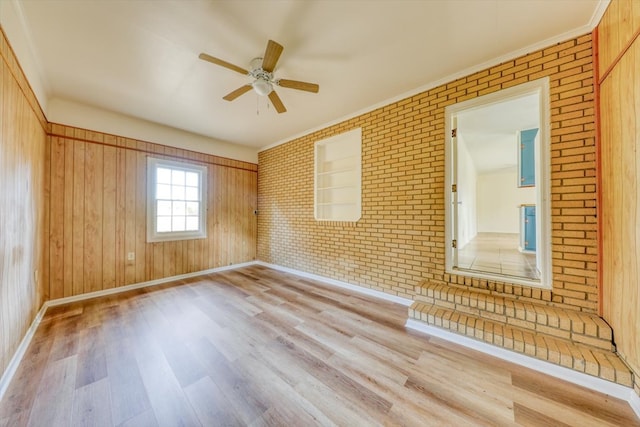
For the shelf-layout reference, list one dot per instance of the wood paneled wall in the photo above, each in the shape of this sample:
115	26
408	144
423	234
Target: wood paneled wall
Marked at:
619	68
98	214
22	163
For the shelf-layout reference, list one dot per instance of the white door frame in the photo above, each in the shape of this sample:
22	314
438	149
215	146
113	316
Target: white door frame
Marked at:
543	181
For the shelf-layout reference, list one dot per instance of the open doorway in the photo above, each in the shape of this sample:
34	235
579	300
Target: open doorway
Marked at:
498	181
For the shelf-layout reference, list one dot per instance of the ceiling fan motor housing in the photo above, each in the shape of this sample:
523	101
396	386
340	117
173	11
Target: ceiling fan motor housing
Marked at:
263	80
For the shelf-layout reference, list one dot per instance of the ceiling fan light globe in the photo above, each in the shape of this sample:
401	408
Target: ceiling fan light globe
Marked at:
262	87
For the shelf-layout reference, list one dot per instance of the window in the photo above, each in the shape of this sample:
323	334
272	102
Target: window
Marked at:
498	187
338	173
176	200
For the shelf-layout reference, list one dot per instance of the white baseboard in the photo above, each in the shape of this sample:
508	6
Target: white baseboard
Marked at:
597	384
149	283
367	291
634	402
12	367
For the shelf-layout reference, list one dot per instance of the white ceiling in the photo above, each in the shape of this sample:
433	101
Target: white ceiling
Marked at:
140	57
490	132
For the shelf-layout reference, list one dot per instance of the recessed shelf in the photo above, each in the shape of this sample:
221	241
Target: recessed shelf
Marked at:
338	173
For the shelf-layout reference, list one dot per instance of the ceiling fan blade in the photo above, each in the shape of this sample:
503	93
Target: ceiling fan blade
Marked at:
236	93
294	84
222	63
277	103
271	56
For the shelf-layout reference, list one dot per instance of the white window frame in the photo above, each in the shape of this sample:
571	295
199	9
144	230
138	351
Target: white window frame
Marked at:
342	201
153	235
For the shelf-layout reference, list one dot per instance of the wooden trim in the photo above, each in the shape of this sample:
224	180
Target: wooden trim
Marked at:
155	153
598	159
618	58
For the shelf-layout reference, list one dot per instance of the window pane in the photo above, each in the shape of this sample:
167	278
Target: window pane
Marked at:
193	208
192	179
177	192
178	208
163	176
191	193
164	208
177	177
178	223
192	223
163	224
163	191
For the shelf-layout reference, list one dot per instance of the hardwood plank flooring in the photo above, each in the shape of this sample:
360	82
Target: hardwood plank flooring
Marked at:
258	347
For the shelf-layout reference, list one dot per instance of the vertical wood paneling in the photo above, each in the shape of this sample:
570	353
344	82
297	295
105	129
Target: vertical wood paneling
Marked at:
102	180
78	200
46	204
144	257
93	217
223	209
109	218
67	258
23	160
620	177
130	215
212	222
121	253
56	209
170	259
616	29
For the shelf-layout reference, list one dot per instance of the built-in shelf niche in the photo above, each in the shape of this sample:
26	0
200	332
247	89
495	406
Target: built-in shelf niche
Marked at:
338	177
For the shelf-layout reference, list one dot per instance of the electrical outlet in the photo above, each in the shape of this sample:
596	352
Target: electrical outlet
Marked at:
131	256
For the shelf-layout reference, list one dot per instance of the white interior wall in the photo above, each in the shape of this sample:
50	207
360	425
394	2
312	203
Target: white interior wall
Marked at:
467	188
499	199
84	116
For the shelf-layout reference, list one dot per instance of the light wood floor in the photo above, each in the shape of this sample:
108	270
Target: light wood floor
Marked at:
259	347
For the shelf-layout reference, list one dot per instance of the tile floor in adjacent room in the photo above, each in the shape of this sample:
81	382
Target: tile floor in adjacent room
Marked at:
498	253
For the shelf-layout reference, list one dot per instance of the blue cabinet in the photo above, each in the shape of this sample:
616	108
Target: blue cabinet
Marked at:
527	158
528	228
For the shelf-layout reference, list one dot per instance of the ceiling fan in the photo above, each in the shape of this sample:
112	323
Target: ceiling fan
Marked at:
262	75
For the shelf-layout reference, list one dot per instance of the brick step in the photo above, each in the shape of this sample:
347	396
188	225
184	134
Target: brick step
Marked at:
564	352
572	325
